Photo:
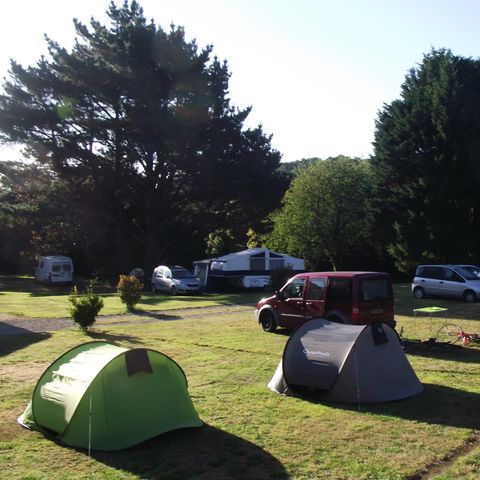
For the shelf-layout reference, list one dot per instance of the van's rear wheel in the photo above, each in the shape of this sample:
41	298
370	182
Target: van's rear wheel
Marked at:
268	321
173	290
469	296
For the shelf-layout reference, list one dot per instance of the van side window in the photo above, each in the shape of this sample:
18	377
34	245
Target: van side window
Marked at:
295	289
433	272
340	289
66	267
454	277
316	289
56	268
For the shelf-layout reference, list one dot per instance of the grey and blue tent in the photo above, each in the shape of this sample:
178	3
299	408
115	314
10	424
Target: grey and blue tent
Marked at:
105	397
345	363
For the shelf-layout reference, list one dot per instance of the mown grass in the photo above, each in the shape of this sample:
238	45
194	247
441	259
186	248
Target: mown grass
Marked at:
251	432
21	296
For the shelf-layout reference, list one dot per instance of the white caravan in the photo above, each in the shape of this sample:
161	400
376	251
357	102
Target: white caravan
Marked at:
54	269
247	269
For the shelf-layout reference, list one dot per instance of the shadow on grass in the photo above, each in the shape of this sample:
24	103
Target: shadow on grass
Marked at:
201	453
113	338
442	351
285	332
437	404
154	315
16	338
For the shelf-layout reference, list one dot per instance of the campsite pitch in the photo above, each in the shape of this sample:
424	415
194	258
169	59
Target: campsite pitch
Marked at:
251	432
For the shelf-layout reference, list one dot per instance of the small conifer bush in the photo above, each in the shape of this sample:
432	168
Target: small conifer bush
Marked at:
129	290
84	307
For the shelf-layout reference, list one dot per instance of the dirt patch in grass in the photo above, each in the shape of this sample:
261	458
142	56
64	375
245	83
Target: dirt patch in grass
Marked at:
436	468
27	372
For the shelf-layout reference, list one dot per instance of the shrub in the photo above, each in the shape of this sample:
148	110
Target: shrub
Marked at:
280	276
85	307
129	290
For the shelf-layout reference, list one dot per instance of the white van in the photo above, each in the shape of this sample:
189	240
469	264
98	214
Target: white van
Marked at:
54	269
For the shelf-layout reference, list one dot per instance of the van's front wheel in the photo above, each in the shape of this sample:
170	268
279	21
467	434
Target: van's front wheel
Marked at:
268	321
418	292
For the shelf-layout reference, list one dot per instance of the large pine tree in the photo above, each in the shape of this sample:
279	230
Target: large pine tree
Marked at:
138	121
427	155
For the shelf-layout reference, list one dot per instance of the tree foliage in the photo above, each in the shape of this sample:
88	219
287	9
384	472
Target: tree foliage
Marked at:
427	159
137	122
326	217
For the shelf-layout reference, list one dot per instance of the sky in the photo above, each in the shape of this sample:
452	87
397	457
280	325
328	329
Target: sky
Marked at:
315	72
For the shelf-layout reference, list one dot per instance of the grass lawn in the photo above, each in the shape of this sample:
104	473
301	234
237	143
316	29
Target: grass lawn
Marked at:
22	297
251	432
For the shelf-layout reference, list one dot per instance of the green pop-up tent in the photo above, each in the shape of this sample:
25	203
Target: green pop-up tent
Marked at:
104	397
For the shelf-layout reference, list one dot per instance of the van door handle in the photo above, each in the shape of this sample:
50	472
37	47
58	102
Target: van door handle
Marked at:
308	303
440	282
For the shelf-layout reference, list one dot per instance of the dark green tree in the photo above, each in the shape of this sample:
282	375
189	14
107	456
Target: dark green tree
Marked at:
138	122
326	217
427	157
36	215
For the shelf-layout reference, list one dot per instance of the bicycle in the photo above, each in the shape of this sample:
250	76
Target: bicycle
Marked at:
451	333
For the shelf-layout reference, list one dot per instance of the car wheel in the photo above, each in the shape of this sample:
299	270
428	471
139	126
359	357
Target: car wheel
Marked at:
418	292
173	290
268	321
469	296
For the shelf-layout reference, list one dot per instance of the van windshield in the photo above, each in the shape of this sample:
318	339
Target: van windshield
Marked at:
181	273
469	273
375	289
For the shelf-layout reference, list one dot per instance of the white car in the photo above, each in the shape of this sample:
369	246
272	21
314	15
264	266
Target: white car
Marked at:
456	281
175	280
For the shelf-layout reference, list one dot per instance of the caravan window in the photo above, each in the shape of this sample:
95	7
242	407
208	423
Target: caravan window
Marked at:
257	262
56	267
67	267
276	261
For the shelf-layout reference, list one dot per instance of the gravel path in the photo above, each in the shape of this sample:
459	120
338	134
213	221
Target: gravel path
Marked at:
10	325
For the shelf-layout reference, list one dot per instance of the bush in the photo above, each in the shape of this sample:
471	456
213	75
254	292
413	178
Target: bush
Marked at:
280	276
85	307
129	290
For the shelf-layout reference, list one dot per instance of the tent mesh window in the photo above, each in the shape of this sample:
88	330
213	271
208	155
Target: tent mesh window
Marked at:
257	262
137	361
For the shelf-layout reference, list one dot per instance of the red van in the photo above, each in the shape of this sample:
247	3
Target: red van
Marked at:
345	297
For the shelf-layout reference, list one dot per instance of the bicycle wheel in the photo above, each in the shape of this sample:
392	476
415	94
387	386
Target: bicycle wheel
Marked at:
449	333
